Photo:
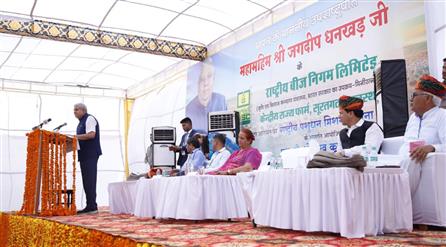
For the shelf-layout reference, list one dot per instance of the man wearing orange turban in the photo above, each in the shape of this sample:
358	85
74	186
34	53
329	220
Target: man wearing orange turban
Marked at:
358	131
428	121
426	124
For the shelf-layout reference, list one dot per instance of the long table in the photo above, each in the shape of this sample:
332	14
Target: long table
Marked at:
122	197
340	200
186	197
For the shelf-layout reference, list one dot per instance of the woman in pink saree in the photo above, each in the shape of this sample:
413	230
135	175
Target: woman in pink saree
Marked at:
244	160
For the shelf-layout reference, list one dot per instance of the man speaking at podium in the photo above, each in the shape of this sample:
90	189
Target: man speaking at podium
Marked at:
90	149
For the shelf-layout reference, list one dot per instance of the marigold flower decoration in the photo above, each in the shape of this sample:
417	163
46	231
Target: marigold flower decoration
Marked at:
50	150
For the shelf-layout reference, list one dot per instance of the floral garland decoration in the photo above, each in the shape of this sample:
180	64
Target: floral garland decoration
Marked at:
53	196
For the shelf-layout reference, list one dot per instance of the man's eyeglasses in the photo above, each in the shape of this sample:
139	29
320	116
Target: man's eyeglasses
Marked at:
416	94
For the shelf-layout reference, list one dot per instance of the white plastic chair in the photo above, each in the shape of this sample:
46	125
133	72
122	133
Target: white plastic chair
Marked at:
266	158
392	145
295	157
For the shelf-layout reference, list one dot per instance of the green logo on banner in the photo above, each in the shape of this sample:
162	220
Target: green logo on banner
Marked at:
243	98
243	102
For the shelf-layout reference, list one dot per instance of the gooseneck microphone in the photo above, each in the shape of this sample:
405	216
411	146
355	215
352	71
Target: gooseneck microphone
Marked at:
59	127
42	123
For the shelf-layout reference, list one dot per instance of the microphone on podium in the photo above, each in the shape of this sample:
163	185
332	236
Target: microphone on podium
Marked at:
42	123
59	127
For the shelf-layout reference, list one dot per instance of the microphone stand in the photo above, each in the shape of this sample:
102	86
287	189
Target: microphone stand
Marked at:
57	129
38	126
41	124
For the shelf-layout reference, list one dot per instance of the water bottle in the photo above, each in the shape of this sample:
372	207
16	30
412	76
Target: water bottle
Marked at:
165	173
186	169
365	153
191	168
373	156
272	163
279	164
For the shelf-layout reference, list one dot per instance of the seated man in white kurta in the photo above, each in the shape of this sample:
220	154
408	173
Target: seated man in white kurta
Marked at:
427	123
221	154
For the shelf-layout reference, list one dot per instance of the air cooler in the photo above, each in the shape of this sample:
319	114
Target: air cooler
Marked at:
162	138
224	122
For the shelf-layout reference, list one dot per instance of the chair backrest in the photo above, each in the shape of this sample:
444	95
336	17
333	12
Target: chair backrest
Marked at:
295	157
392	145
266	158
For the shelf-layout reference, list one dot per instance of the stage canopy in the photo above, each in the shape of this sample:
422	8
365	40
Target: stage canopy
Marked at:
55	66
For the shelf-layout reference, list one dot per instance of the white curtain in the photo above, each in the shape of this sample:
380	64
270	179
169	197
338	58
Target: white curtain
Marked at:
21	111
163	107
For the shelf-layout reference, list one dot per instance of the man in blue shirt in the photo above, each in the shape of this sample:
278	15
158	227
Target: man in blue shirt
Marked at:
195	159
206	101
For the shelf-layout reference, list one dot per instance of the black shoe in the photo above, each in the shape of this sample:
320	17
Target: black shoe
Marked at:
88	211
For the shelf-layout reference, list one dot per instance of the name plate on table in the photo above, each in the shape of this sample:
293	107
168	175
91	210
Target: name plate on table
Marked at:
389	161
192	174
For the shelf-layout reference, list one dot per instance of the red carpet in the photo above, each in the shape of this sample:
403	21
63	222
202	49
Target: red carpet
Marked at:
236	233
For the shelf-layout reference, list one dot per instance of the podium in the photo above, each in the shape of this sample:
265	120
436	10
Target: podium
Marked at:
46	186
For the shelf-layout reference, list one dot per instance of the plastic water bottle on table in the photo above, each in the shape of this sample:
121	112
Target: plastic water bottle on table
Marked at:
373	157
365	153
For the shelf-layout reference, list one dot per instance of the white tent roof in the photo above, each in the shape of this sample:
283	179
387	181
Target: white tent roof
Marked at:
62	63
198	22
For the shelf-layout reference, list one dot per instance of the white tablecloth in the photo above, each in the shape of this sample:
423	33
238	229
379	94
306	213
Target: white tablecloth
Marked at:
121	197
190	197
428	186
341	200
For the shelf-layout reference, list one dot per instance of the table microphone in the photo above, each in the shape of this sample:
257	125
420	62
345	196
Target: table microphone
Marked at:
42	123
59	127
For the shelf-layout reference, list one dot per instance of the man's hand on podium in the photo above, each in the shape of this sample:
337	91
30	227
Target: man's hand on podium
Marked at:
85	137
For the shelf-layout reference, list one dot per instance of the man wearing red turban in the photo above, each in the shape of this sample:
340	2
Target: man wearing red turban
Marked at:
358	132
426	127
427	121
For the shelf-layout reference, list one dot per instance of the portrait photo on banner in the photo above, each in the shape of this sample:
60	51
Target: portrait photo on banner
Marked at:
201	95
